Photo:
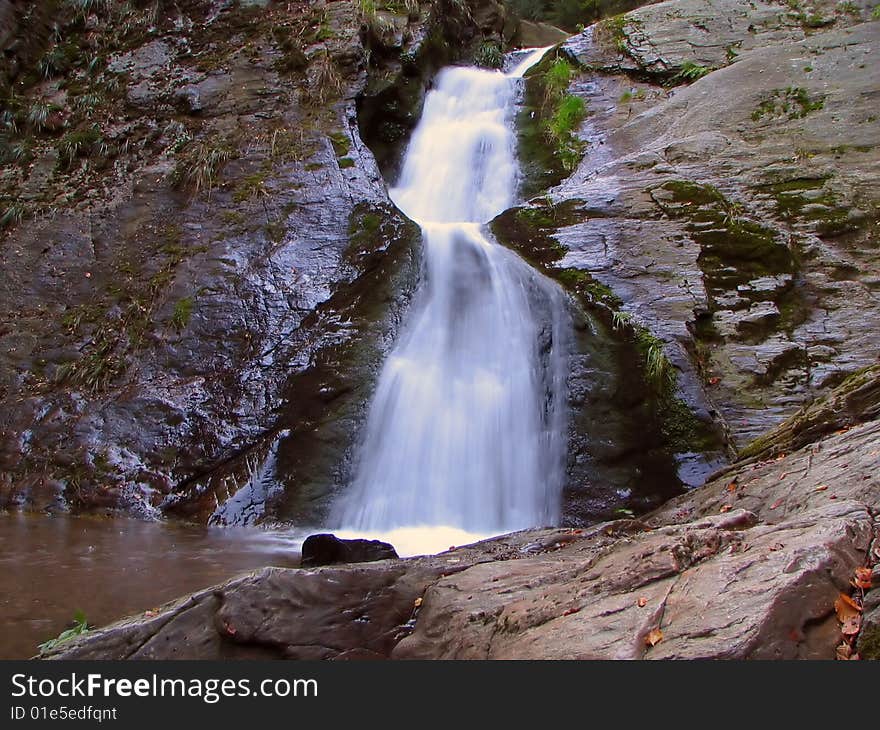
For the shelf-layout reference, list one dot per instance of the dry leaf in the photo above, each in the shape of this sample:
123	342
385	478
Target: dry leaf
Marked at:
417	602
852	625
821	488
846	608
725	508
776	504
731	487
844	651
863	578
570	611
654	637
643	602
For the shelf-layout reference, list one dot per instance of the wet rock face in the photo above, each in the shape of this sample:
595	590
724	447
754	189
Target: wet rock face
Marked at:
729	195
202	269
326	549
747	567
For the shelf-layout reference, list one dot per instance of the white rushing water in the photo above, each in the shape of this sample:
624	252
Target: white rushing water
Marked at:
466	431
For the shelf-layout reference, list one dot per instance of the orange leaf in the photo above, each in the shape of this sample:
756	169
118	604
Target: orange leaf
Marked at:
417	602
846	607
654	637
852	625
863	578
643	602
725	508
731	487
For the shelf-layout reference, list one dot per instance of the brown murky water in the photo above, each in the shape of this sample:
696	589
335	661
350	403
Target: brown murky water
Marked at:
50	567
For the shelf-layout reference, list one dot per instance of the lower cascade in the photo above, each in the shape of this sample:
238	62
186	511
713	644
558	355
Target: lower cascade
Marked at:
466	433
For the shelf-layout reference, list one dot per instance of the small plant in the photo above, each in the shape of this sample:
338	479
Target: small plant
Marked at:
54	62
326	82
200	165
86	104
626	97
612	32
690	71
39	113
14	214
620	320
793	102
489	55
569	114
556	80
850	8
182	313
80	627
658	369
83	8
81	143
875	13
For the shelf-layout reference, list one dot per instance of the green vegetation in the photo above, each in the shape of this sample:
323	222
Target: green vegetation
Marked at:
612	32
345	162
563	113
489	55
182	313
341	143
81	143
13	214
793	103
252	186
80	627
690	71
199	165
39	113
875	13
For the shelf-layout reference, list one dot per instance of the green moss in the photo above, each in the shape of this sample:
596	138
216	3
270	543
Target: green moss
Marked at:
341	143
791	103
251	186
345	162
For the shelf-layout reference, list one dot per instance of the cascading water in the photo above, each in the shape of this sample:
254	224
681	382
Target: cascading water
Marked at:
467	428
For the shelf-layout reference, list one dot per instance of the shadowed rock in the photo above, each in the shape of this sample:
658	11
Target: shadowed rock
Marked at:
327	549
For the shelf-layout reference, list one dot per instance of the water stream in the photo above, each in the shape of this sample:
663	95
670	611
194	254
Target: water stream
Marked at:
466	433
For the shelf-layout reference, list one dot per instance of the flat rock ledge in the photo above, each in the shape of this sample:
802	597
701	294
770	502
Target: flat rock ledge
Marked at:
748	566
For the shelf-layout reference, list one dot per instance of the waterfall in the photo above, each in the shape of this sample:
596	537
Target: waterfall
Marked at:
466	432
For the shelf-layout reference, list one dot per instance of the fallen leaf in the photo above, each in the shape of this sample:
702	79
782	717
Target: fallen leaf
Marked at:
776	504
654	637
570	611
417	602
714	381
821	488
852	625
731	487
230	629
643	602
863	578
846	607
150	614
777	546
725	508
844	651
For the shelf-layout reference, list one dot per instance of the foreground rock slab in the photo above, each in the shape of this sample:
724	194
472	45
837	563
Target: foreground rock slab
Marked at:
748	566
